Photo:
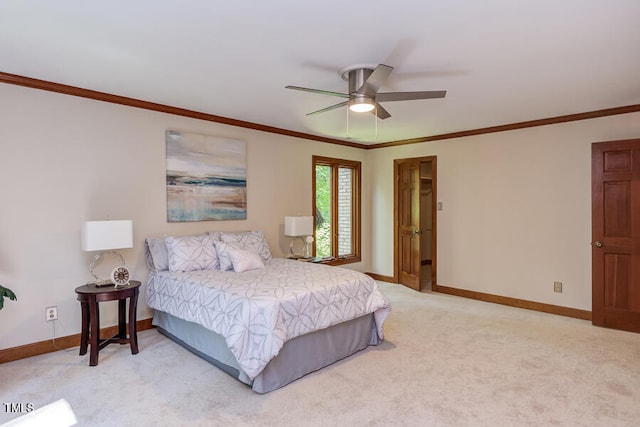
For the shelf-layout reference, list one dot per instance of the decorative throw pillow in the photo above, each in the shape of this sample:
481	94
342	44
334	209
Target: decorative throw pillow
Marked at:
189	253
222	249
244	260
157	251
215	235
252	240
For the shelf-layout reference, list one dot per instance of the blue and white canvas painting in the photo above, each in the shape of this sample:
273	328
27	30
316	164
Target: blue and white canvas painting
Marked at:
206	178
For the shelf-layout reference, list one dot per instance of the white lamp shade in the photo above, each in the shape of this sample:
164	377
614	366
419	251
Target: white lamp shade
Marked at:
105	235
298	225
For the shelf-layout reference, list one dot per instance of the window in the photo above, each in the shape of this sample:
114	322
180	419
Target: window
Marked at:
336	203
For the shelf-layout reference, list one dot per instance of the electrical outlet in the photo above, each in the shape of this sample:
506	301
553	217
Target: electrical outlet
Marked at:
51	313
557	287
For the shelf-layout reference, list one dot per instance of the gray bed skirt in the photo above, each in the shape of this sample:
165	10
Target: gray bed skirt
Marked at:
298	357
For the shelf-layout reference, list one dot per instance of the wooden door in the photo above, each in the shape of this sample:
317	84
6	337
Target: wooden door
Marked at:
616	234
408	221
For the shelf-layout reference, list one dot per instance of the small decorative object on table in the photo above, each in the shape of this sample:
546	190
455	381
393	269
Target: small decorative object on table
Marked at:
120	276
307	247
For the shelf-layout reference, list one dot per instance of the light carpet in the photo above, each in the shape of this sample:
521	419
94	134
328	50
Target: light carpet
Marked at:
446	361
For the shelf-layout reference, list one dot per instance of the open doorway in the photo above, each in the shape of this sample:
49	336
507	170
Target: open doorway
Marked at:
415	220
426	226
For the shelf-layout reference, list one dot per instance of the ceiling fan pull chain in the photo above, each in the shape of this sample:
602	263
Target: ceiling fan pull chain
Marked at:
376	118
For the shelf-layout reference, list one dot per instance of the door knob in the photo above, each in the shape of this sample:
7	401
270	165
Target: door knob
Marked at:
598	243
417	232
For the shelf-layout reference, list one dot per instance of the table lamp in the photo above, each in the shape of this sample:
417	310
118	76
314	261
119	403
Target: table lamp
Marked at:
300	227
106	236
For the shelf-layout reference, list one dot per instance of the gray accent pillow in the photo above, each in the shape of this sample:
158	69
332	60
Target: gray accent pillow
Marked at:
158	258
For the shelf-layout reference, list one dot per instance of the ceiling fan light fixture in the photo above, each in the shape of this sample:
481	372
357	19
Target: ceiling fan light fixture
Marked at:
361	105
364	93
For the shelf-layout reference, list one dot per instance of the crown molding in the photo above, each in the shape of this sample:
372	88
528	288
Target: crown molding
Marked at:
137	103
146	105
513	126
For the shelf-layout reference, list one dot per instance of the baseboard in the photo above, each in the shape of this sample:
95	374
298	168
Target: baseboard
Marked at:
514	302
382	278
48	346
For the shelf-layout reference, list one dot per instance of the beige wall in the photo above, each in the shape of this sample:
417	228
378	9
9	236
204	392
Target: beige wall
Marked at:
517	209
516	212
65	160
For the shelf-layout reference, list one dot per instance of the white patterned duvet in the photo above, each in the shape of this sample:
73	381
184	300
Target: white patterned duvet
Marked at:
257	311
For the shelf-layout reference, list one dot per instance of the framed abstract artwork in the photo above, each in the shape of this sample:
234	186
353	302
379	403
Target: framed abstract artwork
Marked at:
206	178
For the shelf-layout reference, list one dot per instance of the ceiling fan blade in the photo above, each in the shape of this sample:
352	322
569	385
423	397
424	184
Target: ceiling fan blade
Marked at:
372	85
332	107
381	112
408	96
322	92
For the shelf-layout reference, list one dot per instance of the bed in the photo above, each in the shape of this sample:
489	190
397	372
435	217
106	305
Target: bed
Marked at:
265	321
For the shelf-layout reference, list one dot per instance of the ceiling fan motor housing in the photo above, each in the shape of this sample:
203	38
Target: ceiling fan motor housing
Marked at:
357	77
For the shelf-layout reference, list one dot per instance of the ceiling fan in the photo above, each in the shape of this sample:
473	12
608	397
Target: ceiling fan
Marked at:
364	84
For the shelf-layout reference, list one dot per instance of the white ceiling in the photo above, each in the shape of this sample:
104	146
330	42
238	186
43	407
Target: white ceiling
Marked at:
501	61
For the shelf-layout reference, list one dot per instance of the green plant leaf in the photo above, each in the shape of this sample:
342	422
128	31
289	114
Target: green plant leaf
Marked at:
5	292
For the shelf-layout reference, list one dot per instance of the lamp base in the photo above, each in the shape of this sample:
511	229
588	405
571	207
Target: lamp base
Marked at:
292	253
100	282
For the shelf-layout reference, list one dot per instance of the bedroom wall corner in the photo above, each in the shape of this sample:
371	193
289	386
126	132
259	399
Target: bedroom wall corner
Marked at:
516	209
66	160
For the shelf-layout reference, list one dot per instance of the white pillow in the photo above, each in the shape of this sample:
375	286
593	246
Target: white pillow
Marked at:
222	250
189	253
251	240
244	260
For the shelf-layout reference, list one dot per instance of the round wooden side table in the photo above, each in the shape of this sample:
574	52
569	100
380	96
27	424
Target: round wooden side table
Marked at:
90	296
